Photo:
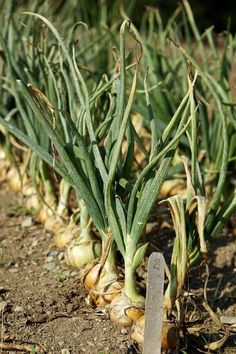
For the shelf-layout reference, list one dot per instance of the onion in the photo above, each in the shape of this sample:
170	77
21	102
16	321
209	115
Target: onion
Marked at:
44	214
4	167
91	278
15	181
124	311
82	251
169	336
102	294
64	234
138	330
102	286
173	187
54	224
32	200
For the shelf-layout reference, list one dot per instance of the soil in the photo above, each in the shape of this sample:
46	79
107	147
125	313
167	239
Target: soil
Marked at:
42	301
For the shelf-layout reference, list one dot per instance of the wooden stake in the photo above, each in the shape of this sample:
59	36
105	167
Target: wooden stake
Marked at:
154	304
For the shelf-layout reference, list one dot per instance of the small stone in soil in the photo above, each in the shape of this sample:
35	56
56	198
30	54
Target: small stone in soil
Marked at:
90	343
35	243
27	222
49	259
50	266
124	331
53	253
69	308
65	351
61	256
123	347
18	309
13	270
3	305
8	264
87	327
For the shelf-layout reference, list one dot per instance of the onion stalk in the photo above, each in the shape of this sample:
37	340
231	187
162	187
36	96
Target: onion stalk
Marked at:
57	223
130	306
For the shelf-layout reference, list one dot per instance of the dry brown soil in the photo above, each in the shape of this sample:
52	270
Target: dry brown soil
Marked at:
42	303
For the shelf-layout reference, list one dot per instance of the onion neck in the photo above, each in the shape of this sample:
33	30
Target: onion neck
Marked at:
62	208
108	258
130	288
85	224
50	197
110	263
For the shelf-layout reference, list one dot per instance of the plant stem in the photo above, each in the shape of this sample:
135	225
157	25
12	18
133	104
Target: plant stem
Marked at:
110	264
131	286
65	188
131	289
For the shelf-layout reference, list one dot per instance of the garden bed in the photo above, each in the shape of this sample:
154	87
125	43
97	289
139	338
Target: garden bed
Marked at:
42	300
43	303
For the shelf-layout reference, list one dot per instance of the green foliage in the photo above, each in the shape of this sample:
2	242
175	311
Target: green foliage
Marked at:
75	103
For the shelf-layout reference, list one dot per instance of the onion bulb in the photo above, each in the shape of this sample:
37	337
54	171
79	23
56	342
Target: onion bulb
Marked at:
169	336
54	224
44	214
102	286
124	311
82	251
32	200
64	234
138	330
172	187
15	181
4	167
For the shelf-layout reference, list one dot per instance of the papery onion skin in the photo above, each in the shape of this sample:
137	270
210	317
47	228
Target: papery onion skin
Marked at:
103	294
169	336
138	330
32	202
63	237
54	224
102	285
44	214
4	168
80	253
91	278
15	181
173	187
124	311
